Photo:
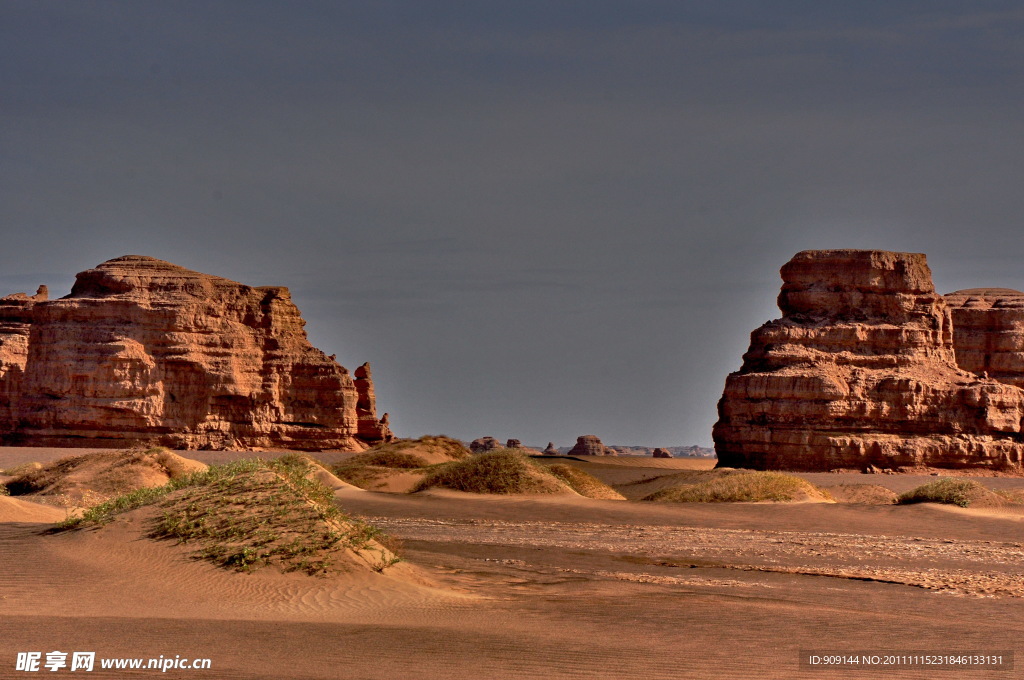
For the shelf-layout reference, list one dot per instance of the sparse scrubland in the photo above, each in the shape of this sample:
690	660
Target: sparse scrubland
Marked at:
252	513
87	479
743	486
584	483
22	469
501	471
430	448
961	492
373	468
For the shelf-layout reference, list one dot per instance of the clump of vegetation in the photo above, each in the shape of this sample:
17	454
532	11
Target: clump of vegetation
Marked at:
583	483
430	448
961	492
501	471
22	469
250	514
101	475
372	468
744	487
368	477
388	459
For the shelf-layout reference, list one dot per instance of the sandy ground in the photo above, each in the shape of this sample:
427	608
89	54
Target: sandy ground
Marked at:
537	587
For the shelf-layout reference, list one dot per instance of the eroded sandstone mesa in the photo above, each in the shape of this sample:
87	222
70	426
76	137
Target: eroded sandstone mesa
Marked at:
484	444
860	371
590	445
145	351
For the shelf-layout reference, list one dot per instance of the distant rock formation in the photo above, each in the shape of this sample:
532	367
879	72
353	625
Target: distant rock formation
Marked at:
513	444
551	450
146	352
484	444
860	371
590	445
661	453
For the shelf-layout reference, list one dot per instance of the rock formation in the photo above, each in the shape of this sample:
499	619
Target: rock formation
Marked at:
589	445
988	332
144	351
551	450
861	371
484	444
661	453
513	444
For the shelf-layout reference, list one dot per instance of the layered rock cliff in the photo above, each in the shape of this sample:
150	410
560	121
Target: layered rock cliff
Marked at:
988	332
144	351
860	371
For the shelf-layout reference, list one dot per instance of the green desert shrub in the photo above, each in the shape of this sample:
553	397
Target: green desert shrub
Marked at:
960	492
743	487
501	471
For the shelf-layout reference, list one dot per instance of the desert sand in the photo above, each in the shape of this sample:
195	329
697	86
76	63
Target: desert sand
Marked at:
553	586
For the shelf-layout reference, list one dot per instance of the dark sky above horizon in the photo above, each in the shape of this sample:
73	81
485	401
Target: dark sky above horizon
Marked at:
536	219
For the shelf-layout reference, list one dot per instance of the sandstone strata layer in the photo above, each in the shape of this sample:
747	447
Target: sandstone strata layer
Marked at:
860	371
144	351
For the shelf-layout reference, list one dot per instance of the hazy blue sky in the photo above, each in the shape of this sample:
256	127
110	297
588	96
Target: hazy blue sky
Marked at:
536	219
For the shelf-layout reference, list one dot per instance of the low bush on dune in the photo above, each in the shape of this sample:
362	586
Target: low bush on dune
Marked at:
501	471
22	469
372	468
253	513
583	483
430	448
85	479
960	492
745	487
388	459
368	477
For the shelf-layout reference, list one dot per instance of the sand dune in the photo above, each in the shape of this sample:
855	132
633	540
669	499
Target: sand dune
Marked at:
534	586
18	510
92	477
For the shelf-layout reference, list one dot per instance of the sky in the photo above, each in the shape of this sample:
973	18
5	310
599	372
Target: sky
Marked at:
537	219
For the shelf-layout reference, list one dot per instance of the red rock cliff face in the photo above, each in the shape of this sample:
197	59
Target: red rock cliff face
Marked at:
861	371
145	351
15	322
988	332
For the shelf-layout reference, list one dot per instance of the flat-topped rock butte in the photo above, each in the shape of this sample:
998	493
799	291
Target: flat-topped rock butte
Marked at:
870	366
143	351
